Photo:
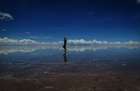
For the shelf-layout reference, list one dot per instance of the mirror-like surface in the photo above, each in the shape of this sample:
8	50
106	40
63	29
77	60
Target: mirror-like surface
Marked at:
103	69
19	59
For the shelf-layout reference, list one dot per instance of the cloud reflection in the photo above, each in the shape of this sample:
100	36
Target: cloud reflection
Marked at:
8	45
28	49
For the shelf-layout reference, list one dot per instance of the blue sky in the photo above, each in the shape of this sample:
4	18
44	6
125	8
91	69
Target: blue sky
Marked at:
49	20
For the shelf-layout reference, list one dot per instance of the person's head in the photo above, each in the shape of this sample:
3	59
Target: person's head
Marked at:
65	38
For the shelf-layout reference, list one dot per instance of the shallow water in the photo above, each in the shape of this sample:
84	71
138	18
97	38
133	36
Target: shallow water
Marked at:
28	60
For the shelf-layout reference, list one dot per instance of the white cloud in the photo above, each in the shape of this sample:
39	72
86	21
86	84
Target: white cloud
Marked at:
8	41
90	42
138	1
6	16
83	41
76	42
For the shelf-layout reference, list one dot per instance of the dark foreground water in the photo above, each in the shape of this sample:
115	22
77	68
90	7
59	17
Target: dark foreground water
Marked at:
84	69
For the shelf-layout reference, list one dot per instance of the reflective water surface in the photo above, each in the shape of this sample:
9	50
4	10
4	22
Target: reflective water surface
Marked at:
82	66
14	59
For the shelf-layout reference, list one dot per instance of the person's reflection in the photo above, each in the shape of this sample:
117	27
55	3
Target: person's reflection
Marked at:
65	57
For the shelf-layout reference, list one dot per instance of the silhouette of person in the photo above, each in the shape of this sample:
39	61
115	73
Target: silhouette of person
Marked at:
65	50
65	43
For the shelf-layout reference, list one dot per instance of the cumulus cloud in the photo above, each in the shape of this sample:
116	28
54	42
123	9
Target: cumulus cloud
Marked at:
90	42
10	41
76	42
5	16
83	41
